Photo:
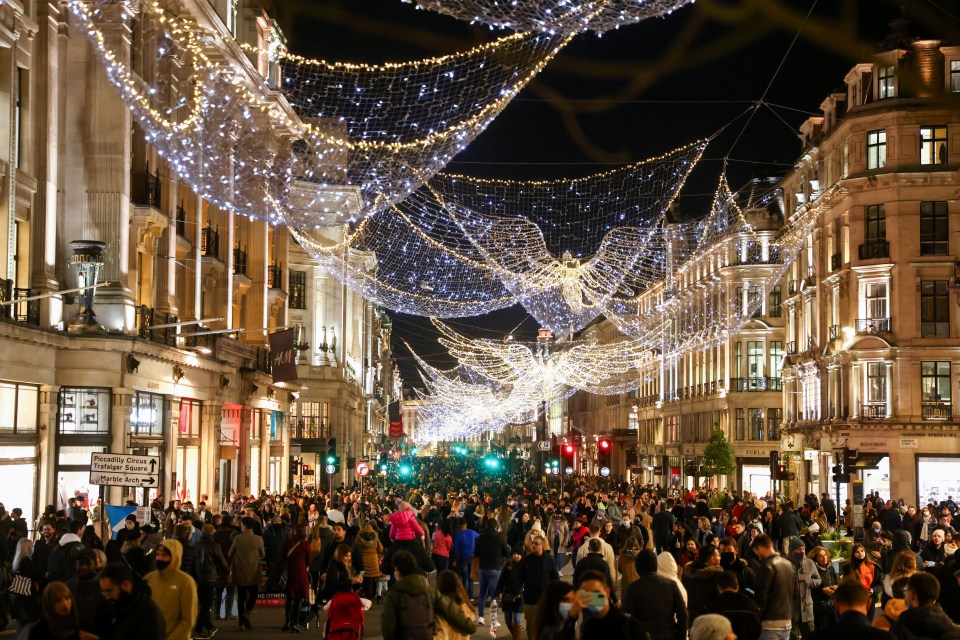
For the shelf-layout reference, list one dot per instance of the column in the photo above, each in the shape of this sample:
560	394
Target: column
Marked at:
210	452
855	381
120	412
46	446
888	365
168	466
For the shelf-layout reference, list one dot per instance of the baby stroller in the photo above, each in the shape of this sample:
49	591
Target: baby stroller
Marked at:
344	617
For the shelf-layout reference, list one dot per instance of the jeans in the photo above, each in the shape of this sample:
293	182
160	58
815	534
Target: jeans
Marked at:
246	598
512	617
488	587
442	563
204	603
223	598
770	634
464	565
558	559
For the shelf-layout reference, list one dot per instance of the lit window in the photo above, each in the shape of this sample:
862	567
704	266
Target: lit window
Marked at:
933	145
955	76
298	290
935	381
876	149
876	382
885	82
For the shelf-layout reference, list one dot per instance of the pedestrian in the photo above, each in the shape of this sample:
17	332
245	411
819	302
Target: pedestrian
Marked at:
627	563
442	545
131	612
510	590
866	572
923	617
296	554
700	579
655	599
808	578
555	616
776	590
25	603
367	553
667	567
605	620
59	618
461	555
449	585
712	627
210	564
736	606
85	589
853	602
491	551
824	610
537	570
174	591
245	555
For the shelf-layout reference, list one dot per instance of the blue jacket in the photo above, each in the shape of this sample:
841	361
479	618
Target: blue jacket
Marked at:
463	544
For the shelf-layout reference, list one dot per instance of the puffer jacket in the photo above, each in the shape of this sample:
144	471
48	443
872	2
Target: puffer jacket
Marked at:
700	581
367	551
404	525
175	593
776	588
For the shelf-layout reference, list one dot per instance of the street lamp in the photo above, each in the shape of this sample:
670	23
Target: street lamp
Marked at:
87	260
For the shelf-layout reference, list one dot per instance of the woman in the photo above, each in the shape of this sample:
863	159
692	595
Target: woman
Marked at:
510	590
25	609
60	620
904	565
448	584
296	553
824	609
867	573
926	526
626	563
313	517
689	553
442	544
558	536
608	535
667	567
368	551
555	617
340	576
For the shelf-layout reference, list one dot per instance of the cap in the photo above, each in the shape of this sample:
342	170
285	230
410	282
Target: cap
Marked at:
796	543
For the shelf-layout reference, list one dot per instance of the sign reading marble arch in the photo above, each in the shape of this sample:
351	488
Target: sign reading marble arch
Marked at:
124	470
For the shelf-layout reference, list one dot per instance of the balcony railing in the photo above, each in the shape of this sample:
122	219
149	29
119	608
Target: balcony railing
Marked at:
146	189
937	410
756	384
262	361
147	317
874	410
834	332
308	427
792	348
27	312
181	220
811	343
274	277
873	249
835	262
873	326
239	262
210	242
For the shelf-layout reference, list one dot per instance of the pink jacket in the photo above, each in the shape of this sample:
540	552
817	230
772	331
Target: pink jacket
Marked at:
404	525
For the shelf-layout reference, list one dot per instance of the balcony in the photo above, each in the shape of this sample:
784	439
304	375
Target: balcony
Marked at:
146	188
834	332
874	249
147	317
27	312
181	220
210	242
835	262
274	277
308	427
874	410
873	326
756	384
937	410
239	262
261	361
791	348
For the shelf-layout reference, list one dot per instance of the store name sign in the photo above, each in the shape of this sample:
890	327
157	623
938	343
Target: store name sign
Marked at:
124	470
909	443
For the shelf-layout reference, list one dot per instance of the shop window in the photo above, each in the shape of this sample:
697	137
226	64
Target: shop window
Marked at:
934	227
190	418
934	309
84	410
147	418
18	408
933	145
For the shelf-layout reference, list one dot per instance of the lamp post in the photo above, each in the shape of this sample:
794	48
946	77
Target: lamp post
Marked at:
87	260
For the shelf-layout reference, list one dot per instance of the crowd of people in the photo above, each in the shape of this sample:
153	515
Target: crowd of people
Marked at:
460	546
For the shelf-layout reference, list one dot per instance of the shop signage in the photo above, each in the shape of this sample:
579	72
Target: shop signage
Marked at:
283	358
909	443
124	470
658	471
756	452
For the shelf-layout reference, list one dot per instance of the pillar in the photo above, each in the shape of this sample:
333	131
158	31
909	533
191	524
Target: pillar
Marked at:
888	365
120	413
855	382
211	413
47	446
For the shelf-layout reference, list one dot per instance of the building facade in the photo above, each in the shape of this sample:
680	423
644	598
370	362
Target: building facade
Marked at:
75	167
871	303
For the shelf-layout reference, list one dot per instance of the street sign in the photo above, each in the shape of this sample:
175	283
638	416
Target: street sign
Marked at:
568	471
362	469
605	471
543	445
124	470
330	468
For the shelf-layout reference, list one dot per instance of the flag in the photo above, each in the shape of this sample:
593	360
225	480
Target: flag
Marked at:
396	419
117	517
283	359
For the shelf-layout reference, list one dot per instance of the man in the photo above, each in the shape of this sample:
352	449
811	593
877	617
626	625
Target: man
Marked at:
211	563
811	539
604	621
776	590
608	554
729	560
461	554
786	524
593	561
245	555
700	579
63	557
75	511
712	627
131	613
736	606
174	591
85	589
663	522
492	551
923	617
656	600
808	578
853	603
537	570
411	605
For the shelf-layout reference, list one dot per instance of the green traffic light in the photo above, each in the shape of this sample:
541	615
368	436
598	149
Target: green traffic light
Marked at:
405	470
555	463
330	459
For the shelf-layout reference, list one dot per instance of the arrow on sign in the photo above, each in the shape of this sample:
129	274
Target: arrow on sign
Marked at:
153	466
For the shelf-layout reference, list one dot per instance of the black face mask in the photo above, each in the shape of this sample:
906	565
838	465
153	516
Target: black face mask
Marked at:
727	558
162	564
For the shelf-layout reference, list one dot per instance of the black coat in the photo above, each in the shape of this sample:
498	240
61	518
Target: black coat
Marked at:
492	551
853	625
658	602
138	618
592	562
927	622
700	581
740	610
537	572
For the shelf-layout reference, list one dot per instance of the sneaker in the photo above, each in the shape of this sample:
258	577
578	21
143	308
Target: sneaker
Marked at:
201	635
480	620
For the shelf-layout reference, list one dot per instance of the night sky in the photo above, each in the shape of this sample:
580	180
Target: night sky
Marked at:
631	94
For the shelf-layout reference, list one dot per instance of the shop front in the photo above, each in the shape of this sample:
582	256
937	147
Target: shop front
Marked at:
753	467
83	428
938	478
19	414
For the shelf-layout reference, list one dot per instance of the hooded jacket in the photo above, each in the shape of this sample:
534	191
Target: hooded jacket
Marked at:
404	525
443	607
700	581
492	550
367	551
657	600
135	616
175	593
667	567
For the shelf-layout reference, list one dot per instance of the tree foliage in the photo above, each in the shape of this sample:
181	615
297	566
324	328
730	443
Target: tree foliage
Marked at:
718	456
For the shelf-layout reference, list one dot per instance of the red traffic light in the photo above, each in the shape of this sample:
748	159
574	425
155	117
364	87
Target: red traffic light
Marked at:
568	448
604	444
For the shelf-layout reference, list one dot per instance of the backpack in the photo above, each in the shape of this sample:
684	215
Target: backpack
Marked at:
416	617
345	617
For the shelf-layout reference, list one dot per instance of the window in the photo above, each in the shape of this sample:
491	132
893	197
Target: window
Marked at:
933	145
875	223
189	423
876	299
885	82
756	424
147	418
298	289
935	382
739	424
18	408
776	358
776	300
84	410
934	309
774	419
955	76
754	359
738	361
673	424
876	149
933	229
876	382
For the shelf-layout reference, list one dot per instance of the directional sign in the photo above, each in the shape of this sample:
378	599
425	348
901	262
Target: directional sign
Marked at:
605	471
124	470
362	469
330	468
568	471
544	445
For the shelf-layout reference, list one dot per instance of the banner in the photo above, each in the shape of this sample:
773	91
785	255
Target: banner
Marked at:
283	358
117	517
396	419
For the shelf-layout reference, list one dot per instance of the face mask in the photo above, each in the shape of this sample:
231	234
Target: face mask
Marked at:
566	510
798	555
597	607
565	609
727	558
162	564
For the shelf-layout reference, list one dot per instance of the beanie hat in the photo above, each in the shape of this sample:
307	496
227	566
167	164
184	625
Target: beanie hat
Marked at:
796	543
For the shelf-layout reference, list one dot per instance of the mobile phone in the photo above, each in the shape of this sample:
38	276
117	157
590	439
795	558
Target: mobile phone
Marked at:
361	573
595	598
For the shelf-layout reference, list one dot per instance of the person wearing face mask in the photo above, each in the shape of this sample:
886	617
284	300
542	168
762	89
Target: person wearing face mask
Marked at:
556	614
808	579
174	591
867	573
925	527
130	611
86	591
746	574
558	534
604	621
130	531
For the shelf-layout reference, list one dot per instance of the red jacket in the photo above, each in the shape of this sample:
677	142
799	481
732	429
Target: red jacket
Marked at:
404	525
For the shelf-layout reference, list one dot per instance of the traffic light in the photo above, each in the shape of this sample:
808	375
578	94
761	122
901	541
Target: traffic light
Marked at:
405	470
604	449
774	464
492	463
781	472
331	457
839	475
